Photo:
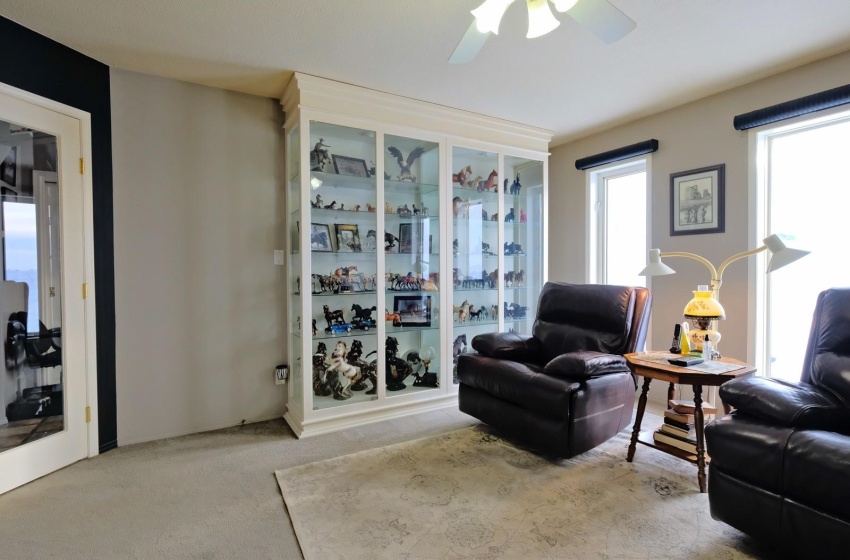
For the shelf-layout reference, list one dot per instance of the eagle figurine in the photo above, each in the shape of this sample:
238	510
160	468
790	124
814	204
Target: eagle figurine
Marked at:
405	174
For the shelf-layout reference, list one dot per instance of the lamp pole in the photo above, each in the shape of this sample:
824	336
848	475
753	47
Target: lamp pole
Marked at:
716	273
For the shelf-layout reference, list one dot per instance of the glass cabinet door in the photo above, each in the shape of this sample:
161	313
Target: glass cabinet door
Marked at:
475	247
293	255
342	282
523	242
411	245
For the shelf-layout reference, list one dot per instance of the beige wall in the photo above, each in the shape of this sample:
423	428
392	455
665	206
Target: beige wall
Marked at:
198	212
695	135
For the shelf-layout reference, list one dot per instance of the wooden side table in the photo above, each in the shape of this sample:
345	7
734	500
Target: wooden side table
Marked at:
674	375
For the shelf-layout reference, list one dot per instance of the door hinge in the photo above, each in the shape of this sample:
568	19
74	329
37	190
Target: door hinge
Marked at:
82	166
85	290
88	415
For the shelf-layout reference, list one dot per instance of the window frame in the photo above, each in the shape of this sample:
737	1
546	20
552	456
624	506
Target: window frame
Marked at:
758	342
597	216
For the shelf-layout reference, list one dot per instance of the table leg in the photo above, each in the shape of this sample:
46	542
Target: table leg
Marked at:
638	419
699	420
671	393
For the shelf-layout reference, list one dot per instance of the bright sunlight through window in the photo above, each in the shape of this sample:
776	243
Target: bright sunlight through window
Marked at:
808	196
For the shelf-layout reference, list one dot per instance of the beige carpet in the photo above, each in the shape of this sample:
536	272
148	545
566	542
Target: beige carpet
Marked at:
468	494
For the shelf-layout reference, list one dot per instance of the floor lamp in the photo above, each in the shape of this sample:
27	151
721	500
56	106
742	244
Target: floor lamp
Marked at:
711	310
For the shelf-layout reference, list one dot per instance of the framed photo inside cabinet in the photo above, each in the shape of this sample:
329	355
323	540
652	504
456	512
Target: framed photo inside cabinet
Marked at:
697	200
320	238
345	165
415	311
347	238
412	238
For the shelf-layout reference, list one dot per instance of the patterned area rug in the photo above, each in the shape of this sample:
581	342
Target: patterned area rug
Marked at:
469	494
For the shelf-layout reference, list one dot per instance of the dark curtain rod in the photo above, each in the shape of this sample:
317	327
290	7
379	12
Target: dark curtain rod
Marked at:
794	108
626	152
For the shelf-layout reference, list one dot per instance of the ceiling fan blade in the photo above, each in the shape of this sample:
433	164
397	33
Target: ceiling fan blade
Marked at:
469	45
602	19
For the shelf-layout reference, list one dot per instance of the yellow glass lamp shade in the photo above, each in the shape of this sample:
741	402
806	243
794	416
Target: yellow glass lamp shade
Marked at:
702	310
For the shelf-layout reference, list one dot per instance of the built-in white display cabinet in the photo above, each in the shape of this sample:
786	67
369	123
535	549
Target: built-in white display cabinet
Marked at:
411	228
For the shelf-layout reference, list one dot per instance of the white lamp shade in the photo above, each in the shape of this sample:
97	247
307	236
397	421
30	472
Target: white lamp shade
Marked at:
781	254
655	266
540	18
489	14
564	5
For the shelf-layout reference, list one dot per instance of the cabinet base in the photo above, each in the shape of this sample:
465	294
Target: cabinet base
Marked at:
343	421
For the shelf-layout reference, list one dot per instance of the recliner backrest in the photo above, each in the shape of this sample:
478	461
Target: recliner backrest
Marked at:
603	318
827	361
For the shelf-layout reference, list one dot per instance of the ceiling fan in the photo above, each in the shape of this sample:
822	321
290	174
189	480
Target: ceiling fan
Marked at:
599	16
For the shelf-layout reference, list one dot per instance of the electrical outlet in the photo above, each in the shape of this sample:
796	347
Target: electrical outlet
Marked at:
281	374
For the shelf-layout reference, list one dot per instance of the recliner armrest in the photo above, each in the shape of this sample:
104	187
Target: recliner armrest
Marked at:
508	346
781	403
586	364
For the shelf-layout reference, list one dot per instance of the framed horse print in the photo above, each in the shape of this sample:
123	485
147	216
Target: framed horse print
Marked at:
415	311
320	238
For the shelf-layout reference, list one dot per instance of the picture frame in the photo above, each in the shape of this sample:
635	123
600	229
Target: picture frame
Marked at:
698	200
320	238
344	165
415	311
347	238
411	237
9	167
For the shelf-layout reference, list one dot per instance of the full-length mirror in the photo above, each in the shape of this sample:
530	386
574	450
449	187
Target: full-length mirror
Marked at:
31	389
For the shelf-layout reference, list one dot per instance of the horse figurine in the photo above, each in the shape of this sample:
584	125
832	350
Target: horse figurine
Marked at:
462	311
462	175
389	240
320	369
368	372
394	317
332	317
513	249
362	314
459	347
510	216
350	373
491	183
476	314
516	186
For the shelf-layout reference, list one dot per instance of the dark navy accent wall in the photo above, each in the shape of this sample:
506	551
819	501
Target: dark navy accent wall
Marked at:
49	69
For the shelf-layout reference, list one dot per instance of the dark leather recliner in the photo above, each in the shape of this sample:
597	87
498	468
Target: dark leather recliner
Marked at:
780	463
566	388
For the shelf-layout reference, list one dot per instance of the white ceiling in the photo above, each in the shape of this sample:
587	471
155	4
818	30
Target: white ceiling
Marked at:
568	81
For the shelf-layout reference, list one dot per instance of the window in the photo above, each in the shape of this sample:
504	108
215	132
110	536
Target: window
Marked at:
803	190
618	224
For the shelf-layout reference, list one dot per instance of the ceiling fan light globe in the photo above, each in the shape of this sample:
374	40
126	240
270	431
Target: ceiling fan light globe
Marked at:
540	19
564	5
488	15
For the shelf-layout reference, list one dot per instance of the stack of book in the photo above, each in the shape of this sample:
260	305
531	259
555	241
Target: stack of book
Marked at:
679	428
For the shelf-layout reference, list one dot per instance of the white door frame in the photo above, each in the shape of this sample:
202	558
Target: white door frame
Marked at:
86	346
41	192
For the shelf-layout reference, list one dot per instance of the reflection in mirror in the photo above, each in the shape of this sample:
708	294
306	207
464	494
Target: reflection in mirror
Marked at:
30	300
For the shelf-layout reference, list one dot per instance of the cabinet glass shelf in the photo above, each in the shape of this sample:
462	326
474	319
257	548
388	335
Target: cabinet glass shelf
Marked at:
331	294
473	194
